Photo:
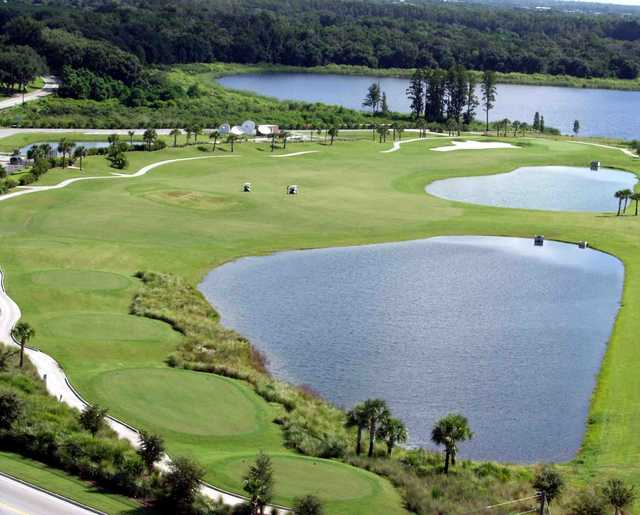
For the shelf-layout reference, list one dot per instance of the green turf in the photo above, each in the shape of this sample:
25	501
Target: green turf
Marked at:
186	218
80	280
58	482
183	402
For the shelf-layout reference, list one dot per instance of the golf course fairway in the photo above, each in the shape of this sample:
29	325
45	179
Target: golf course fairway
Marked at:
70	255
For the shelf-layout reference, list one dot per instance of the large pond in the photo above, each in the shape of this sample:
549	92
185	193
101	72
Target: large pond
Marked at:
509	334
54	145
601	112
550	188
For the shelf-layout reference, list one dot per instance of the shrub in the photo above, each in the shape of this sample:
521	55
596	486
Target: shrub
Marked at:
549	481
588	503
27	178
10	409
308	505
180	485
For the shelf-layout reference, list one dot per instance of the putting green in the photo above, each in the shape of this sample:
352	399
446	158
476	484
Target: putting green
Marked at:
323	478
80	280
180	401
106	327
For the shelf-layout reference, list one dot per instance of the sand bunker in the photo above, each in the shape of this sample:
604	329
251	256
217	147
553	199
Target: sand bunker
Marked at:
473	145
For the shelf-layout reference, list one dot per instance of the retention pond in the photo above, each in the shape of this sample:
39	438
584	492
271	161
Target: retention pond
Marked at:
509	334
549	188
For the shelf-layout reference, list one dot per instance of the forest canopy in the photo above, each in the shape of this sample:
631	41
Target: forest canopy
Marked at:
117	38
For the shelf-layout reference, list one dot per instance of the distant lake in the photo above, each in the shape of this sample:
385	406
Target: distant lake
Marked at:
509	334
601	112
550	188
54	145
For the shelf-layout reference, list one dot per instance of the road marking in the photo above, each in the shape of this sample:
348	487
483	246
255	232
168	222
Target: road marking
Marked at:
12	510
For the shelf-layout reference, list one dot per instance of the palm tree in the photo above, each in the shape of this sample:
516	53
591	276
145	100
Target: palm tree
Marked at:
383	130
175	133
46	150
620	196
448	431
635	197
515	125
22	333
64	147
149	137
231	139
376	411
357	417
197	130
214	135
626	195
80	153
284	135
392	431
131	135
333	133
618	494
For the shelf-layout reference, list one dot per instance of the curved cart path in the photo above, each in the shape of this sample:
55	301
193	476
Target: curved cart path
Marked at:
48	368
297	153
26	190
58	386
623	150
396	144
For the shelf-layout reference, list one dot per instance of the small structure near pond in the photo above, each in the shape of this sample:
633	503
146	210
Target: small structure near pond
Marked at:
595	165
293	189
583	244
538	240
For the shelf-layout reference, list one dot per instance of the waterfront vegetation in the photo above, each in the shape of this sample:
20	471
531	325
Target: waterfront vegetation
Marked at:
78	291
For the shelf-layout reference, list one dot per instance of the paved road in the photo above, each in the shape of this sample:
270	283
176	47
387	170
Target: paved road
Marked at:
50	85
19	499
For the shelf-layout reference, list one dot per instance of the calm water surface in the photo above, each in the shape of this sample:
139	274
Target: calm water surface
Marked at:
54	145
507	333
601	112
550	188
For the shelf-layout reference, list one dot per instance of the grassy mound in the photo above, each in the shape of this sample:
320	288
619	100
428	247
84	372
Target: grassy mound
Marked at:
183	402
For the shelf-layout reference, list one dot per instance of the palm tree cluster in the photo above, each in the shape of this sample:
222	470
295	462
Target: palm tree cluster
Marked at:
624	196
374	416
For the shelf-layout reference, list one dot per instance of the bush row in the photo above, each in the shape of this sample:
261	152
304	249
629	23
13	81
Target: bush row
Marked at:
310	425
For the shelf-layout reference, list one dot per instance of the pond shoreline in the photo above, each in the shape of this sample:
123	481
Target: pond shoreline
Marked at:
539	79
225	312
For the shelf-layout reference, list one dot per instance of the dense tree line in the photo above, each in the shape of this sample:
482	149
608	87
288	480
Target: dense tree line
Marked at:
450	96
119	36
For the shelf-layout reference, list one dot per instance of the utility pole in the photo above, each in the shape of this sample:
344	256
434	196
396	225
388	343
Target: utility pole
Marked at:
543	502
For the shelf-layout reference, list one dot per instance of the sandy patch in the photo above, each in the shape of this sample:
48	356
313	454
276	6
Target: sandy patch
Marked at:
473	145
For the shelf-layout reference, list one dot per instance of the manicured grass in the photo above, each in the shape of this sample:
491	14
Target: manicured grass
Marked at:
186	218
58	482
184	402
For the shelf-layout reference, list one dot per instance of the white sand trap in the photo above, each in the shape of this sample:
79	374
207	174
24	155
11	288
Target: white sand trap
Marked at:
473	145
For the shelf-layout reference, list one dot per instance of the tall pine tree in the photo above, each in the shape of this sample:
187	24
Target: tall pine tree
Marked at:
415	93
